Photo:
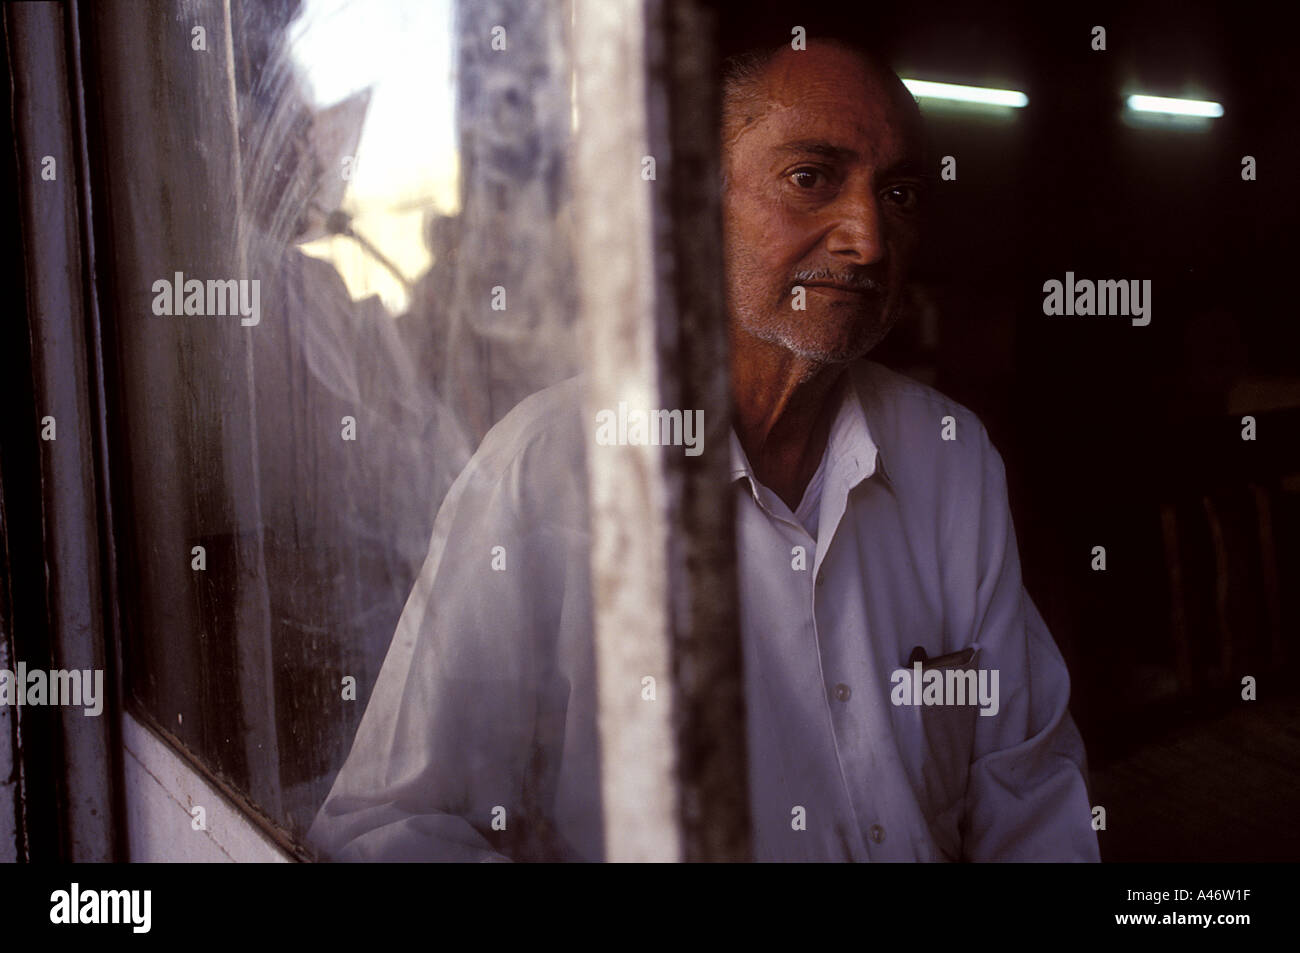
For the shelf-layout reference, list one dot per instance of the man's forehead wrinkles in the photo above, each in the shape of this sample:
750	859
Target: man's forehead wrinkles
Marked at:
792	132
835	95
833	118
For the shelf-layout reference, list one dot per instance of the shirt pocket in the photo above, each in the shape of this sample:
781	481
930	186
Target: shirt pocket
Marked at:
938	741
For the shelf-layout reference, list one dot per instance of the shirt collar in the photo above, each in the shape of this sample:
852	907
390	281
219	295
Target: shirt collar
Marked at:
851	452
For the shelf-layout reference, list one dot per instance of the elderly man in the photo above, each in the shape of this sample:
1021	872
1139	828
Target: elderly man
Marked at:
480	740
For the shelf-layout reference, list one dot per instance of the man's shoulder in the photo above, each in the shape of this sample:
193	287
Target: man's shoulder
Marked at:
534	456
899	395
548	420
911	421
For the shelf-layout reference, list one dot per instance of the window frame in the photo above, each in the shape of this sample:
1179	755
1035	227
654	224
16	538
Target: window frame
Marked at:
694	805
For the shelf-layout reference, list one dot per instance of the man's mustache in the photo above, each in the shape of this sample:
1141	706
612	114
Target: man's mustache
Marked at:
845	279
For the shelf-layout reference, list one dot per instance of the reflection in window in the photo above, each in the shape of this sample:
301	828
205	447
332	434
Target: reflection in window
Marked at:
388	181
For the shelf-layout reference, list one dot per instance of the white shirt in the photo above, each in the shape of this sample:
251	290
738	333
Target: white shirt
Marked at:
485	705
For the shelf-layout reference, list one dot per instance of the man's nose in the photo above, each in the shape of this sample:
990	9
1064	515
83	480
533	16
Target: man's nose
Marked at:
858	233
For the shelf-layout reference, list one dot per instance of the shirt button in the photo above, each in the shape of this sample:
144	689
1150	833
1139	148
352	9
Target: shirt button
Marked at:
842	692
877	833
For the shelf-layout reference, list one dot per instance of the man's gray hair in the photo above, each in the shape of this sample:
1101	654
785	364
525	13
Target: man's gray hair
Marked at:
740	77
741	102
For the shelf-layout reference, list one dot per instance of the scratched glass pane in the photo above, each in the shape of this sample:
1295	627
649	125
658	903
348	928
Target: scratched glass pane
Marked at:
341	256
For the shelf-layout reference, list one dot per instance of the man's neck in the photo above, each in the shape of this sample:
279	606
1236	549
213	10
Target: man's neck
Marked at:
783	413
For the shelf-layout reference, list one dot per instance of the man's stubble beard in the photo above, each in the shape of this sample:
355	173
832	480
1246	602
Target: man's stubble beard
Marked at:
791	332
776	322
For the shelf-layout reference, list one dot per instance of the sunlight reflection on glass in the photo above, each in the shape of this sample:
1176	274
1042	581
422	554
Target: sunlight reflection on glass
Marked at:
385	128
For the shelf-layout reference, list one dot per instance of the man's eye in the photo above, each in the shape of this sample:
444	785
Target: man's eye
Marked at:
903	196
807	178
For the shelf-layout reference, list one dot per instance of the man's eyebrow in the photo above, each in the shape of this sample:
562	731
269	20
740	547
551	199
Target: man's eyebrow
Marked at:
817	147
909	166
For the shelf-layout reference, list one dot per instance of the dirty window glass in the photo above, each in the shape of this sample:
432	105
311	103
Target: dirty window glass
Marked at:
340	256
